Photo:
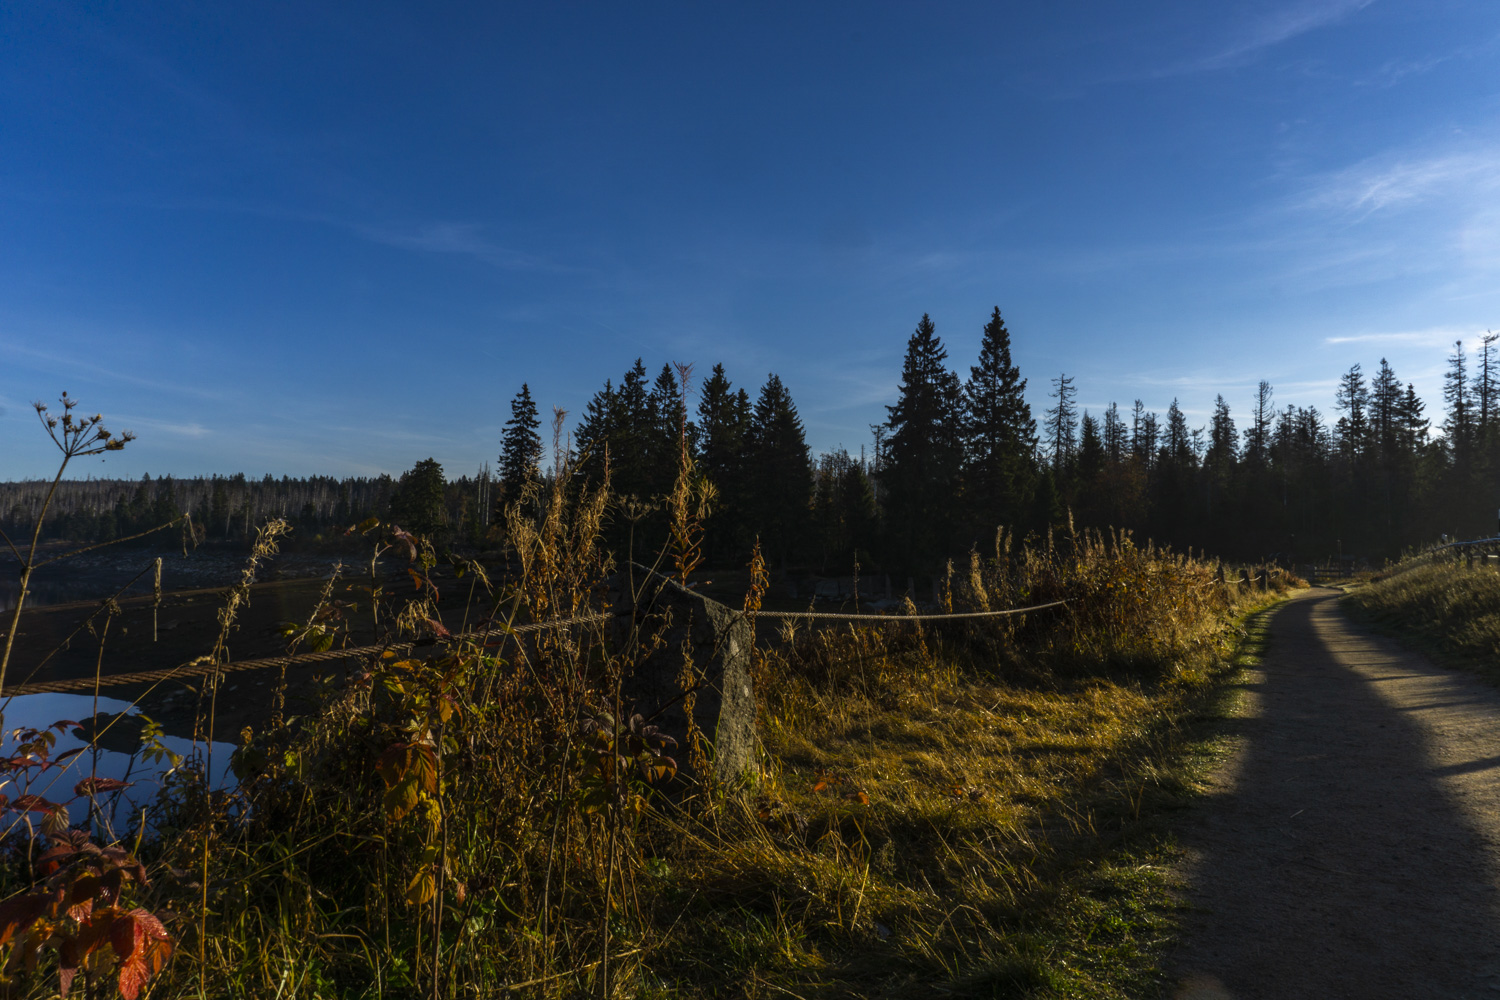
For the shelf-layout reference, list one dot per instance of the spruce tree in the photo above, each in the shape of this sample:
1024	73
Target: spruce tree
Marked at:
520	448
1062	421
1457	394
723	435
1486	386
1385	405
924	452
418	504
999	434
1258	434
780	471
1179	442
1114	435
663	427
632	434
597	431
1090	496
1353	398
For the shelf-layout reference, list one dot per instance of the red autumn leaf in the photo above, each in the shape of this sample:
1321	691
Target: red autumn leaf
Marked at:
32	803
93	931
143	947
18	914
93	786
438	629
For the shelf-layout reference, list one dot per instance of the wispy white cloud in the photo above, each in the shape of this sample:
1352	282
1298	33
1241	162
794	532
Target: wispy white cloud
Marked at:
147	425
1393	71
1280	26
64	365
461	238
1388	182
1432	337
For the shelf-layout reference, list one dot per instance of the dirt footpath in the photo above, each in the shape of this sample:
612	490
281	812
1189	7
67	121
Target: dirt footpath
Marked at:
1351	847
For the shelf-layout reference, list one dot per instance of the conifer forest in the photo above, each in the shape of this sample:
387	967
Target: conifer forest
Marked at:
961	454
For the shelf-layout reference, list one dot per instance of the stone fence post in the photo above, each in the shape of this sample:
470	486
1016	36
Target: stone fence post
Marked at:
716	642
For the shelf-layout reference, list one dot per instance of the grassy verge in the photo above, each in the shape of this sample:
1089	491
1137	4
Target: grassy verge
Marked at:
978	809
1015	842
1444	609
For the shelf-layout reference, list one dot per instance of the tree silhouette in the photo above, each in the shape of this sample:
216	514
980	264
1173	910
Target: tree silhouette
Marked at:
520	447
924	454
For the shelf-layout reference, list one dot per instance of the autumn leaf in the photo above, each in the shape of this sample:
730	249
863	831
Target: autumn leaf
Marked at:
143	947
422	888
18	914
32	803
408	770
93	786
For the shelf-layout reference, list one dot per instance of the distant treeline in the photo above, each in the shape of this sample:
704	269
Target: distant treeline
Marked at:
957	458
231	507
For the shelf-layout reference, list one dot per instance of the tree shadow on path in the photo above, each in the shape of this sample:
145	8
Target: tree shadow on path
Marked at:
1333	861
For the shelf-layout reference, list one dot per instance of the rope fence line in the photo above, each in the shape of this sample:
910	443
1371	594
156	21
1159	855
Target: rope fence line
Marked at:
236	666
201	669
351	652
850	616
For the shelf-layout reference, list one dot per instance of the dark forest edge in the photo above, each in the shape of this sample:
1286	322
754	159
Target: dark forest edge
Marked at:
955	459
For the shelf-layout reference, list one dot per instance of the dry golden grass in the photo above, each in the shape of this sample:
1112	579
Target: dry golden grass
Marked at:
934	815
1443	604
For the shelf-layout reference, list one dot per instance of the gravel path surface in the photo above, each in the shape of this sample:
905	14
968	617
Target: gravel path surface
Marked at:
1351	846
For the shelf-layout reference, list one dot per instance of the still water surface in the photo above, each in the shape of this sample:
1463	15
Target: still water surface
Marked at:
118	811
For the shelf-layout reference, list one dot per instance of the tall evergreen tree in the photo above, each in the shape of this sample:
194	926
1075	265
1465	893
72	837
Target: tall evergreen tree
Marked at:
1179	440
1385	406
1091	500
999	434
1258	434
1062	421
417	503
1459	423
596	432
924	453
665	424
1486	386
1116	438
520	447
723	435
633	431
1143	439
1353	398
781	469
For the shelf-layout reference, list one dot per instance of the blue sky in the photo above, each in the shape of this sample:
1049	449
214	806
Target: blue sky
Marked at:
306	238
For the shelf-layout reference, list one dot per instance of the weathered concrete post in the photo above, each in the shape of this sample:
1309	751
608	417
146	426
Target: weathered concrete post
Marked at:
715	643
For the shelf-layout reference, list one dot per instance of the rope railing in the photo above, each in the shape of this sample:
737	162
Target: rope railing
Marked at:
203	668
200	668
852	616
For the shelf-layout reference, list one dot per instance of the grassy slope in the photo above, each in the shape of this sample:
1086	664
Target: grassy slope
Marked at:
1442	608
1016	841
